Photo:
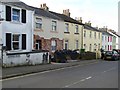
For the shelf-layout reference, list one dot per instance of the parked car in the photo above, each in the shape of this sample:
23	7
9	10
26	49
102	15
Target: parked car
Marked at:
111	55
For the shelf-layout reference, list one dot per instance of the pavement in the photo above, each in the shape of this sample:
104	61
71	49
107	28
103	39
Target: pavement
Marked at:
24	70
100	74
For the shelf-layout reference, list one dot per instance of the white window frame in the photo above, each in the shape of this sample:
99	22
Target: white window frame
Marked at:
19	42
16	15
54	25
39	22
66	27
76	29
77	44
66	43
53	45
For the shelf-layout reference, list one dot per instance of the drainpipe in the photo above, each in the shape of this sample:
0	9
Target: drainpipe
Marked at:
82	37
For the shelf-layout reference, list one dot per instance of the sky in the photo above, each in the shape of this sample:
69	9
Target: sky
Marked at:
99	12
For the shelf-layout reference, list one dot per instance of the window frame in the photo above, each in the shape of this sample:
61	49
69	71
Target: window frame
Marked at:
12	15
76	29
66	27
37	22
54	25
19	42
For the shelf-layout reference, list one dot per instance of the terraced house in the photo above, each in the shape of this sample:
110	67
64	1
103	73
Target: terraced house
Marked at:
48	30
72	30
92	38
16	28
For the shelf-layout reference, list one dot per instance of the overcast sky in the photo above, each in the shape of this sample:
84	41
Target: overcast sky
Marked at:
99	12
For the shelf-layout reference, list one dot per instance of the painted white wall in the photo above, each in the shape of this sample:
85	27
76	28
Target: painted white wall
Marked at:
22	59
47	29
19	28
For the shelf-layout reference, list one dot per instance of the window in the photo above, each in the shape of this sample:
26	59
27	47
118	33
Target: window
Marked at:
90	34
54	25
95	35
66	44
84	33
66	27
38	23
99	36
53	45
99	46
90	48
84	46
16	15
76	29
15	41
108	38
102	38
38	45
95	47
108	47
77	44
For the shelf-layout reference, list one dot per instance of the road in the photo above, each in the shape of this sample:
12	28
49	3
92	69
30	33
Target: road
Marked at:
102	74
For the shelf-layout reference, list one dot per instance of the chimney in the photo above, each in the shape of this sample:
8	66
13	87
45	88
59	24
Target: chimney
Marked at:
66	12
80	19
88	23
44	6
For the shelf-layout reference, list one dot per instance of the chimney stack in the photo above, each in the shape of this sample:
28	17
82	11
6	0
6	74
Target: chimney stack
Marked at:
66	12
44	6
88	23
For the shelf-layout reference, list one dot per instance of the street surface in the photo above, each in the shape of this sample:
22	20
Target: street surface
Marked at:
102	74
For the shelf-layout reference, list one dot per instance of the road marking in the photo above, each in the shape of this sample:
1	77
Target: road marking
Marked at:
78	82
109	70
46	71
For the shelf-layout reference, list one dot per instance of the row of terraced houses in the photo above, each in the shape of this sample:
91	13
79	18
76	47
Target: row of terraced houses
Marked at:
26	28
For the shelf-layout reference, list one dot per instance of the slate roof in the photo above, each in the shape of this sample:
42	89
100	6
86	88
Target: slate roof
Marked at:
106	33
38	11
66	18
91	28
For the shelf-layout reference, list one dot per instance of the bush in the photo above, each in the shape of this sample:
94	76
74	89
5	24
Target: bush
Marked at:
88	55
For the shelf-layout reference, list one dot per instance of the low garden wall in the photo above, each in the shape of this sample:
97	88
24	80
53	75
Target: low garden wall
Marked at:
25	58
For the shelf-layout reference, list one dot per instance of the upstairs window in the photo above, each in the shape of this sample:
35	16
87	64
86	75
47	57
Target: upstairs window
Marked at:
76	29
38	23
95	35
54	26
66	27
84	33
16	15
90	34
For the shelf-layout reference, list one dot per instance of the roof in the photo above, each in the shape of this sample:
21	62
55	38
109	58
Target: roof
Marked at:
116	34
91	28
38	11
106	33
66	18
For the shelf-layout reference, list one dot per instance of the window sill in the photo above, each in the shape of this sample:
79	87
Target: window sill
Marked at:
76	33
39	30
67	32
15	22
53	31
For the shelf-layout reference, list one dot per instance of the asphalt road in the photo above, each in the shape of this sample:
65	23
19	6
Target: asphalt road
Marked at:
103	74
